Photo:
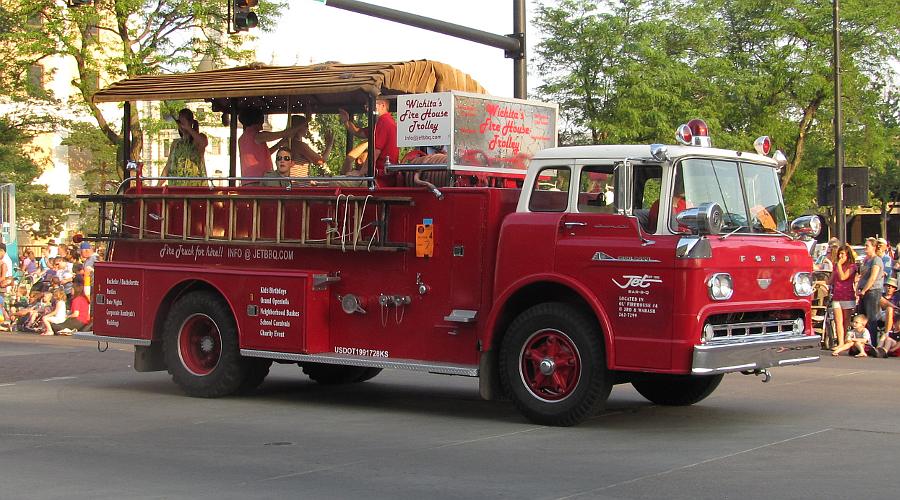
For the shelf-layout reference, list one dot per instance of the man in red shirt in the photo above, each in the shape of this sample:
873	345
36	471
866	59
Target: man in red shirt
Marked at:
256	156
385	147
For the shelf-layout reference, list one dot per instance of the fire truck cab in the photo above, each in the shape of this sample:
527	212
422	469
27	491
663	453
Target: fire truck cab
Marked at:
550	276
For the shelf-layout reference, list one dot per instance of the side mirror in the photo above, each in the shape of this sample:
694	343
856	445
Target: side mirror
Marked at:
806	227
659	152
705	219
780	159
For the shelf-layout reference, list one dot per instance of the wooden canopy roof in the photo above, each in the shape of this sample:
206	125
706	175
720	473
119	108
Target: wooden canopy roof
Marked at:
315	88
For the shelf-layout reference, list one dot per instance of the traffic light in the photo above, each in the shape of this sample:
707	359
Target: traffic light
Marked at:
244	18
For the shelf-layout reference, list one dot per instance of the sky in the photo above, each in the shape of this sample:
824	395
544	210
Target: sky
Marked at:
310	32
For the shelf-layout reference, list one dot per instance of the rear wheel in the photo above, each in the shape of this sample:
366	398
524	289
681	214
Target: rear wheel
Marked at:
676	390
257	371
368	374
552	365
201	348
327	374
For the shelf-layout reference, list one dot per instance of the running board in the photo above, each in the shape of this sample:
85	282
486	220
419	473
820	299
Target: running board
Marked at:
341	359
112	340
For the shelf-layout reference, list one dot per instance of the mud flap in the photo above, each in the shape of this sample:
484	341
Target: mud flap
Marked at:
489	377
149	358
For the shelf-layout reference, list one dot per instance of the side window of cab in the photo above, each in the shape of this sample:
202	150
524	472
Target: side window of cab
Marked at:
550	192
597	189
647	189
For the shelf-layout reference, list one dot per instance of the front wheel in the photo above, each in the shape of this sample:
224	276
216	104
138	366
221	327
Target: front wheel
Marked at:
676	390
201	348
552	364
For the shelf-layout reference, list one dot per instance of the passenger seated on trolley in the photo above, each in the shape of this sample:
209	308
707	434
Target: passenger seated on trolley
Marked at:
302	153
284	162
385	148
285	167
255	154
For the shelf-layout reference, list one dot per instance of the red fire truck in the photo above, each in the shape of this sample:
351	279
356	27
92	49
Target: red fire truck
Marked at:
549	276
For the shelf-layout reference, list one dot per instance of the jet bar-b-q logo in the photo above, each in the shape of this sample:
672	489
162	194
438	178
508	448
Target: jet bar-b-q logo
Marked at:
635	281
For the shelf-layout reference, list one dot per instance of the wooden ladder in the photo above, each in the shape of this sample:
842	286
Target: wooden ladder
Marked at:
344	221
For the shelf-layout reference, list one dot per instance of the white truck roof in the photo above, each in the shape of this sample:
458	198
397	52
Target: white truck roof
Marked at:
640	151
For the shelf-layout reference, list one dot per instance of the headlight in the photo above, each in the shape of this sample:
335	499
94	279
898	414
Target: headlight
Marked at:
798	326
720	286
803	284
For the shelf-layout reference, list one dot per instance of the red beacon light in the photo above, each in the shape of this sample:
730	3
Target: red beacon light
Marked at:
694	133
763	145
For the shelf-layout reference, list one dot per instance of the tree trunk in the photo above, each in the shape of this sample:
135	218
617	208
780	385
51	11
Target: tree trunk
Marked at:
809	113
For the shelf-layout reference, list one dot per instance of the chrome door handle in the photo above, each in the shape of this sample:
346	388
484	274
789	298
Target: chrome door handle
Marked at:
570	225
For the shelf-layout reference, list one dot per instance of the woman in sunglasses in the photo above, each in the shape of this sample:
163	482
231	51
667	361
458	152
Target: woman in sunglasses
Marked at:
284	162
303	154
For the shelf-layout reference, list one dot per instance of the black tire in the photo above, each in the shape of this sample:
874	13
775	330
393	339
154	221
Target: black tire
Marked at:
257	371
328	374
368	374
676	390
552	365
201	347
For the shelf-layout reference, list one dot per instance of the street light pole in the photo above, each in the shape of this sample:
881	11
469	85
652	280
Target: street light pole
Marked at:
838	127
520	62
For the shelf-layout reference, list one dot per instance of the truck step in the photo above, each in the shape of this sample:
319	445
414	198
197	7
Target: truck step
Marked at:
342	359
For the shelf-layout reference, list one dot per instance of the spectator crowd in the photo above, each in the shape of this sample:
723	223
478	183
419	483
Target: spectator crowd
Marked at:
860	294
50	294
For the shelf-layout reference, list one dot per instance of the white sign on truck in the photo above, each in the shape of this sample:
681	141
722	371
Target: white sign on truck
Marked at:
483	133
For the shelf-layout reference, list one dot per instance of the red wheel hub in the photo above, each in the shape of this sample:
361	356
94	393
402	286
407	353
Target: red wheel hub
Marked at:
550	365
199	344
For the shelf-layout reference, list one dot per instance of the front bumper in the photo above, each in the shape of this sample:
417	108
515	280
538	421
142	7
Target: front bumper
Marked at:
740	356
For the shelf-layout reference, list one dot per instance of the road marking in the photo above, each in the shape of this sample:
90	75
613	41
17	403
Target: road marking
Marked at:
690	466
486	438
310	471
338	466
51	379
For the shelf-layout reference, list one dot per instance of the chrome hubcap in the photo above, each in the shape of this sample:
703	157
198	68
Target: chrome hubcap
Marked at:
547	366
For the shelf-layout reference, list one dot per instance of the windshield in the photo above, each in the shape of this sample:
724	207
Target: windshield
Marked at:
749	194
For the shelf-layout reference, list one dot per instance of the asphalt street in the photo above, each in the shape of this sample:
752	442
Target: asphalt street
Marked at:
77	423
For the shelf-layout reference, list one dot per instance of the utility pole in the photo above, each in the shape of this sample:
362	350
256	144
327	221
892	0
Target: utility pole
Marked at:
838	127
513	45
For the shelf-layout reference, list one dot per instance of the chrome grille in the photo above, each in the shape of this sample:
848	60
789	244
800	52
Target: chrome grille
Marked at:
746	327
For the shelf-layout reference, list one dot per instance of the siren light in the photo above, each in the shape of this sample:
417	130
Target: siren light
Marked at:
763	145
694	133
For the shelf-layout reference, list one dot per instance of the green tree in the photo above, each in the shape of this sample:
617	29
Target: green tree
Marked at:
631	72
93	163
115	39
41	213
882	154
598	60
